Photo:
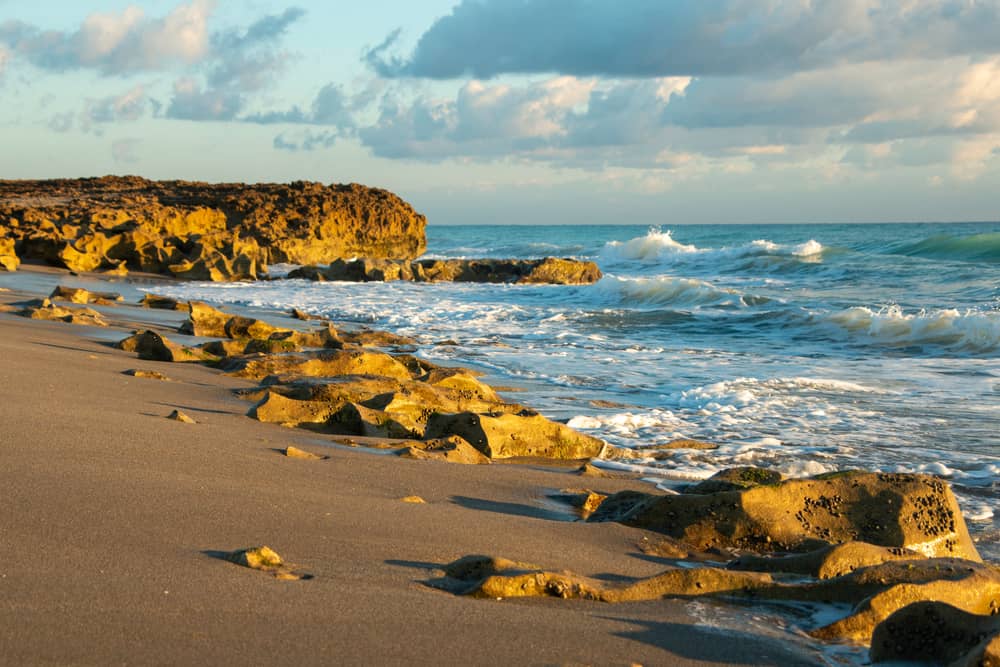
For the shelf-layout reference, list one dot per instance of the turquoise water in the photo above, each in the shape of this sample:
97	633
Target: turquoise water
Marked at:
805	348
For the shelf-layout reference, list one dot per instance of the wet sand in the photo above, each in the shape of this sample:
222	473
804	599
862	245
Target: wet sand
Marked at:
114	518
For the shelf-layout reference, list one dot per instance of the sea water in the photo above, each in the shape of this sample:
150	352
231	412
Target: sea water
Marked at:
803	348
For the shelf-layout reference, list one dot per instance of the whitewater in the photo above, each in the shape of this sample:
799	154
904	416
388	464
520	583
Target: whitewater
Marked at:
802	348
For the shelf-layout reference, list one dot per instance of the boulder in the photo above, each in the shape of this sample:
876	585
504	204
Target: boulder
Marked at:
163	303
827	562
735	479
82	296
204	320
915	512
46	310
515	435
9	260
448	450
152	346
933	632
556	271
324	363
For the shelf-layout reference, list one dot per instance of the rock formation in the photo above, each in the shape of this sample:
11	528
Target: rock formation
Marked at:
200	231
551	270
915	512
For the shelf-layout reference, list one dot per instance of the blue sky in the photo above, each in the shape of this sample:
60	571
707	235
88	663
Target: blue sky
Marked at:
526	111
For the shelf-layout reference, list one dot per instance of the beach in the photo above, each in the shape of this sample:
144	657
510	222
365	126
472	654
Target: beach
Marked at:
116	515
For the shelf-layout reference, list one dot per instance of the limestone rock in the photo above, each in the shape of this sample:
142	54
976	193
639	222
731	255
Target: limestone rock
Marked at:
82	296
735	479
9	260
296	453
204	320
152	375
201	231
414	500
916	512
163	302
550	270
881	590
515	435
46	310
154	347
179	416
828	562
931	632
449	450
325	363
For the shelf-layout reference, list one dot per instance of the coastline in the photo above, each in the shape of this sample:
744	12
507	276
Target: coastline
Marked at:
114	514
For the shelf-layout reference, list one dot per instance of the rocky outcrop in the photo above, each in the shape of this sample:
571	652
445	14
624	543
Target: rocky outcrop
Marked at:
154	347
915	512
44	309
507	436
200	231
551	270
935	632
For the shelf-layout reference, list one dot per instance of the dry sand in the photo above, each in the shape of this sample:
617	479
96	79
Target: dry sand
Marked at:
113	517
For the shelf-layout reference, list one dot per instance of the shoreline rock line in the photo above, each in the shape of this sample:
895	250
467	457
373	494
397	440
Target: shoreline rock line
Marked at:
549	270
893	546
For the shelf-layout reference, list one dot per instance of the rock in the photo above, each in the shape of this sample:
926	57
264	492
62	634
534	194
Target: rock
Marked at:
915	512
248	327
9	260
204	320
515	435
372	338
154	347
987	654
555	271
549	270
325	363
931	632
414	500
163	303
828	562
296	453
201	231
881	590
486	577
257	558
152	375
179	416
46	310
449	450
82	296
735	479
584	500
276	409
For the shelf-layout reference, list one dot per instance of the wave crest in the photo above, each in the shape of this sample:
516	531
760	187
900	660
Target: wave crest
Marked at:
660	247
974	248
972	330
671	291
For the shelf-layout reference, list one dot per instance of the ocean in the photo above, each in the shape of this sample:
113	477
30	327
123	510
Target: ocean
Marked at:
802	348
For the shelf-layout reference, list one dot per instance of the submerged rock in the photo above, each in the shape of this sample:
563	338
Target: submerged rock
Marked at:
915	512
197	230
735	479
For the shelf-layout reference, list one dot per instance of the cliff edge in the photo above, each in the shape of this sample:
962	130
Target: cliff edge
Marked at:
201	231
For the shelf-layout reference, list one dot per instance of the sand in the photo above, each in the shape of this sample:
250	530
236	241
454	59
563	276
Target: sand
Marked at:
114	519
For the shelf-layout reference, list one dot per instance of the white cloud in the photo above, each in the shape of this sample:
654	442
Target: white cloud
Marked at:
116	43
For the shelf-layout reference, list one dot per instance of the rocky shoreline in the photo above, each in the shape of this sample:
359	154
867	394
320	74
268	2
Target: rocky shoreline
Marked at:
892	546
233	231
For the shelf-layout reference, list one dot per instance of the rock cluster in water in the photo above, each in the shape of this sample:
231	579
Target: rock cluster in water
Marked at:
550	270
200	231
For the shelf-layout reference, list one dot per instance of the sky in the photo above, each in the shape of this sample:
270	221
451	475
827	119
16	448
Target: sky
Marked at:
653	112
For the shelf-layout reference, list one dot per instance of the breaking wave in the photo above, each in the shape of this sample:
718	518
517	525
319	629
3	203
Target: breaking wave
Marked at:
671	291
970	331
660	247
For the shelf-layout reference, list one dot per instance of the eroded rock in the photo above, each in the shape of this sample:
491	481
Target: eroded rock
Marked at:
515	435
550	270
154	347
449	450
916	512
200	231
326	363
932	632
